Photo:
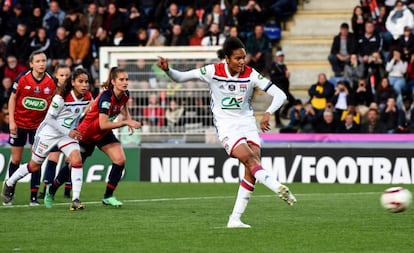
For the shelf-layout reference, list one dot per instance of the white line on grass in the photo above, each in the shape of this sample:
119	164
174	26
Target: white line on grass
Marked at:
203	198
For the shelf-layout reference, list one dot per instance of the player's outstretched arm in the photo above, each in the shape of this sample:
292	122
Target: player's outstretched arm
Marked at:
175	75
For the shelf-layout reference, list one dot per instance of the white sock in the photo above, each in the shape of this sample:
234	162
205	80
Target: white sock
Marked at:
77	179
18	174
266	178
243	198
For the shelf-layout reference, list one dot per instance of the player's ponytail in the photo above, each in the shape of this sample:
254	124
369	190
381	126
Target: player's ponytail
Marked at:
113	74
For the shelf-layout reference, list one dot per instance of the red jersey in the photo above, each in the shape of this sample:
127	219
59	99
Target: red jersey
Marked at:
106	103
33	98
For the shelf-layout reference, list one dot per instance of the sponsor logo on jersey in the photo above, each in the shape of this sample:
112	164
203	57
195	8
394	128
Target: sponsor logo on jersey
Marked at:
203	70
106	105
67	122
55	105
231	103
31	103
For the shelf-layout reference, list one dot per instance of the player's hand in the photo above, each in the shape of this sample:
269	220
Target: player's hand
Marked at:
13	128
75	135
162	63
264	122
132	123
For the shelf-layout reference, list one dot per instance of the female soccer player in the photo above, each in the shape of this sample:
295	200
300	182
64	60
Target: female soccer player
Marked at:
28	104
231	86
59	129
96	129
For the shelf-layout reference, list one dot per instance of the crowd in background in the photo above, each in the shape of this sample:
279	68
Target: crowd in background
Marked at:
372	58
71	32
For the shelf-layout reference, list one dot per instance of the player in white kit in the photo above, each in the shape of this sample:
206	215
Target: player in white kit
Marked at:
59	129
232	85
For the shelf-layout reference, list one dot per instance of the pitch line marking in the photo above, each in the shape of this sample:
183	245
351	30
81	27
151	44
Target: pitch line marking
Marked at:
198	198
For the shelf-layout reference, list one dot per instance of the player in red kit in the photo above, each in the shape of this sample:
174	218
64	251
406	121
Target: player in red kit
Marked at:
96	130
28	104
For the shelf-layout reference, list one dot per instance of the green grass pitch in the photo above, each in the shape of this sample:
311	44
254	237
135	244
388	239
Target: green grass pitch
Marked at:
192	218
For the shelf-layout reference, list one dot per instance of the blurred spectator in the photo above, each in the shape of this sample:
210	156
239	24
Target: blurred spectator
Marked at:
197	37
341	99
233	32
408	114
258	49
176	38
282	9
190	22
16	17
154	112
148	7
328	124
59	48
356	116
36	19
119	39
13	68
53	18
396	68
391	116
296	115
250	16
380	21
358	21
375	71
73	21
79	47
5	90
215	16
232	18
321	94
405	44
19	45
369	43
373	124
155	37
384	92
348	126
4	119
100	40
40	42
354	70
343	45
214	37
398	18
410	75
174	16
174	114
141	38
94	19
308	120
279	75
362	96
136	20
113	20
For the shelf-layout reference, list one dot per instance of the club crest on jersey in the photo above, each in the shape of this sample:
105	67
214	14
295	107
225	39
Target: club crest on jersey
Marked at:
46	90
232	87
36	90
231	103
243	87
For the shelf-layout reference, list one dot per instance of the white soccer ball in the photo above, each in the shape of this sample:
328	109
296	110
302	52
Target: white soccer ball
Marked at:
396	199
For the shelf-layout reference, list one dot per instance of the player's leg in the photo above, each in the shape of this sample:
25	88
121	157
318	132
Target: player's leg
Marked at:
72	151
50	170
36	173
116	153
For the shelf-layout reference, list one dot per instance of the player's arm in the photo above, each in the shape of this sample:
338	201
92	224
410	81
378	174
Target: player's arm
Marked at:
106	124
12	109
175	75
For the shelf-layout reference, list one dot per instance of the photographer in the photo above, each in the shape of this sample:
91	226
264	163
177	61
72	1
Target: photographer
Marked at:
396	68
362	97
341	99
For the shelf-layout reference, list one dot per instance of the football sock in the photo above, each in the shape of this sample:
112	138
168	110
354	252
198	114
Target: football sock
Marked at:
68	187
114	178
12	168
77	179
63	176
50	172
243	197
266	178
34	184
22	171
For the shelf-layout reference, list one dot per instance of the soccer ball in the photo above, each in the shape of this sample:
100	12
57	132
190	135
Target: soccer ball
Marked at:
396	199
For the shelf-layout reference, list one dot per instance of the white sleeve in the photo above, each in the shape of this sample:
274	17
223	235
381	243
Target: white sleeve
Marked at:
279	98
202	74
54	110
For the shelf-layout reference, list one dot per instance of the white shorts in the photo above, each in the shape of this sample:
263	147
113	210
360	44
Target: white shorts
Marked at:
44	143
232	133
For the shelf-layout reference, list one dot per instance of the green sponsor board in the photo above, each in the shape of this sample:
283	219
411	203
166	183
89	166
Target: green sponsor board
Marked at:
96	167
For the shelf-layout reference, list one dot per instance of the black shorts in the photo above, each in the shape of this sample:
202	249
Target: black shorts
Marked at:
87	149
21	138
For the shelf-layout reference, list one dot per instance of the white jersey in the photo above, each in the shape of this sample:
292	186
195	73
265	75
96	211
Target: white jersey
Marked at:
63	114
